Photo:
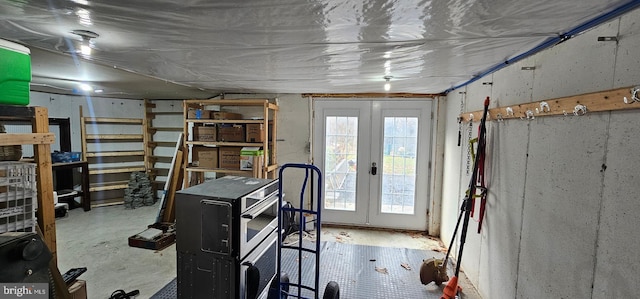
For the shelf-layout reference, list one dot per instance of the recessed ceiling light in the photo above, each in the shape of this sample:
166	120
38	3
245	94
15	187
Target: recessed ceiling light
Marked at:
98	90
387	85
86	43
85	49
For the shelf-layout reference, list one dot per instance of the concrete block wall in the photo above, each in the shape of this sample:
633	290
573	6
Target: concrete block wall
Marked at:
560	219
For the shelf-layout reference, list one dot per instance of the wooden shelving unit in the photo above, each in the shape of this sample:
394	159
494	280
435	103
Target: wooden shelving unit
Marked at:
113	153
41	139
268	118
158	149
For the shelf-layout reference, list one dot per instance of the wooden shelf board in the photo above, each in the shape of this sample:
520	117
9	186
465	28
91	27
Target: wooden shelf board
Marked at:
161	143
220	143
106	120
114	154
107	202
166	129
166	113
226	121
202	169
114	136
109	186
110	170
235	102
26	138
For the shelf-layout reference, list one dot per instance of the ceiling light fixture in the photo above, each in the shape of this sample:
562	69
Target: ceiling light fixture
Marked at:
86	45
387	85
85	49
86	87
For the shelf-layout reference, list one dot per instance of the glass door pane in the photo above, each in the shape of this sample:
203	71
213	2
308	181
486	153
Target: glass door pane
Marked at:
399	165
341	147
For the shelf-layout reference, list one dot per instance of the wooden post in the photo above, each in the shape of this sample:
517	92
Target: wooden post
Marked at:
44	181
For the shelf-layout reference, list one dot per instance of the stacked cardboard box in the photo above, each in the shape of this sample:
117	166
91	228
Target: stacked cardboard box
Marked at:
231	133
205	133
230	157
206	157
226	115
255	133
198	113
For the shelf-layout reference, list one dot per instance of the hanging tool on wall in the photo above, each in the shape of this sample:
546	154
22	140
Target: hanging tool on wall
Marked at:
480	181
435	270
452	287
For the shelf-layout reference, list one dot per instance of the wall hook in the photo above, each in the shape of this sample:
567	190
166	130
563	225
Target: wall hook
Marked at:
544	105
499	117
530	115
580	110
470	116
509	111
565	112
635	94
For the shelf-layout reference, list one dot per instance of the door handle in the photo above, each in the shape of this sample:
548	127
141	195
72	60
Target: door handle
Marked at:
374	168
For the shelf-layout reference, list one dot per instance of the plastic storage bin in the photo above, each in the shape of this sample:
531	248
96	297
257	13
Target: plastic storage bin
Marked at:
15	73
17	197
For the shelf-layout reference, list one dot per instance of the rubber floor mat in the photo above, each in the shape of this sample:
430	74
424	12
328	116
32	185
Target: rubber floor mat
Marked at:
361	272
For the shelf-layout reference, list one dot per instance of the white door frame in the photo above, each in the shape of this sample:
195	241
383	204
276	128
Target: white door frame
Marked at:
424	156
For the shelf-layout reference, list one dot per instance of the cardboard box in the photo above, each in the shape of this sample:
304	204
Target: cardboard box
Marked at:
206	157
201	133
255	132
78	289
231	133
198	113
249	157
226	115
230	157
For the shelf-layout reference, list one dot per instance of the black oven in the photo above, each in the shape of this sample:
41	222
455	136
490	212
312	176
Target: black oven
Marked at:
226	238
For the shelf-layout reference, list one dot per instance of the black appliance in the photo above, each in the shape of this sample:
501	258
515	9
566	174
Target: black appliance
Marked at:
24	258
226	238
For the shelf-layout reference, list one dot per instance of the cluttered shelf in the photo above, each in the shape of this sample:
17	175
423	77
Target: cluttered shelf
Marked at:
223	141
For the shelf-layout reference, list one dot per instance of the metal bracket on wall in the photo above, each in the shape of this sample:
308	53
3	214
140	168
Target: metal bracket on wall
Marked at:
609	100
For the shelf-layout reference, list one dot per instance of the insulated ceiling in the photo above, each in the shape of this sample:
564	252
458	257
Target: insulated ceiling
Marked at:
199	48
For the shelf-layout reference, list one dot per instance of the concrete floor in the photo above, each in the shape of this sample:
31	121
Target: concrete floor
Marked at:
98	240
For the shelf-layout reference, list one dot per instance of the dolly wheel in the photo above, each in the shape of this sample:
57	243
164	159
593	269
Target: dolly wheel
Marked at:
274	288
332	291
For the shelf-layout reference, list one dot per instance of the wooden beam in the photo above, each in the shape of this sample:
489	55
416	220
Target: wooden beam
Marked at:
114	154
609	100
115	136
109	186
106	120
176	179
27	138
166	113
234	102
372	95
112	170
44	183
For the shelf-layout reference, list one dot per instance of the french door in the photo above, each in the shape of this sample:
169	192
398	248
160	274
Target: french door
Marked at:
374	156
